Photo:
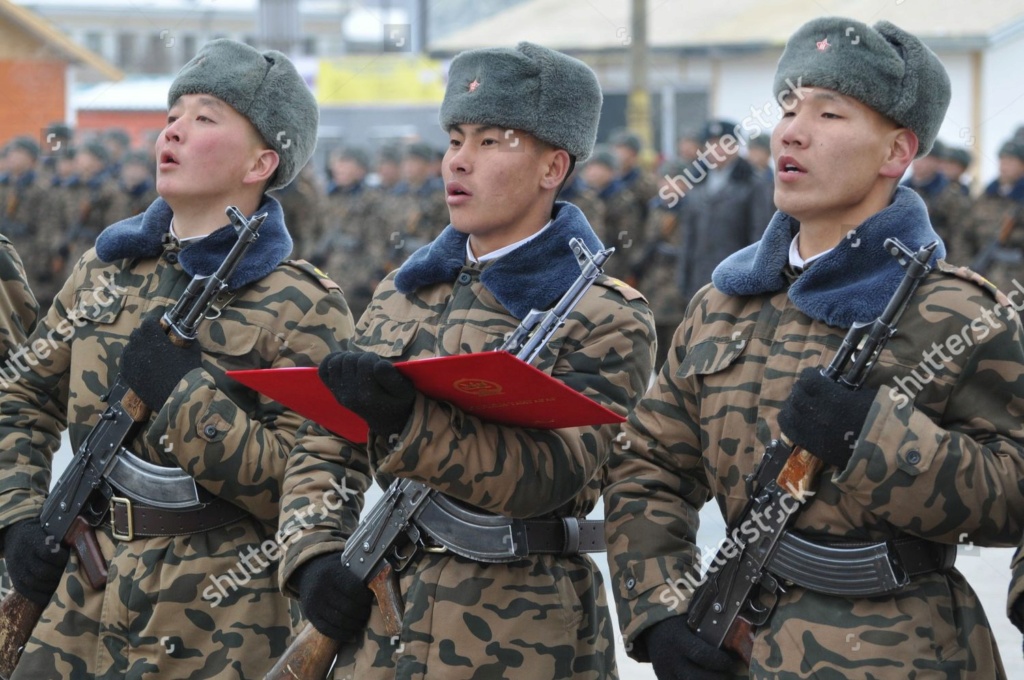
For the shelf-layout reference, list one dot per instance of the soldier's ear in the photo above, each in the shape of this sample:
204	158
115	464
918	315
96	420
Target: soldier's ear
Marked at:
263	166
903	145
555	167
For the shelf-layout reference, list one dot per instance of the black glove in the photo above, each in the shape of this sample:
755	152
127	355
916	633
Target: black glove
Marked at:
332	598
371	387
824	417
35	560
677	653
152	365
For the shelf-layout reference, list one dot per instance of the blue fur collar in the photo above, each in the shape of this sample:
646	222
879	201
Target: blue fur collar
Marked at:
1016	192
852	282
142	236
533	276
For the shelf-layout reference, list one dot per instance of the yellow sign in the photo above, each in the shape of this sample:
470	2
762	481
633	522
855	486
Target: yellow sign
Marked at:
380	79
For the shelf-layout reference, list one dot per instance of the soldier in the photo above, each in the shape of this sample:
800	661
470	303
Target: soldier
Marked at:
995	222
91	202
583	197
137	183
727	208
531	113
916	463
955	165
119	145
26	219
688	146
352	248
414	209
654	268
627	147
759	154
193	592
20	312
304	205
623	219
947	205
389	168
56	143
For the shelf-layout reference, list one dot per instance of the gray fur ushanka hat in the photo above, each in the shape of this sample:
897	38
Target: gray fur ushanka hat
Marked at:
881	66
265	88
550	95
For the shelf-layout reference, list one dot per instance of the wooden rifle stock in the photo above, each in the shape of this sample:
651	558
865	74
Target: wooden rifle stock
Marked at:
797	477
18	616
308	657
311	653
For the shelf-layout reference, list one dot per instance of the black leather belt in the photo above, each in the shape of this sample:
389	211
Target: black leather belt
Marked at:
857	569
130	519
565	536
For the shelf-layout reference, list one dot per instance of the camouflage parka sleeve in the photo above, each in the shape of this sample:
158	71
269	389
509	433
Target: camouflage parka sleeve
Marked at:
20	309
233	441
605	351
939	457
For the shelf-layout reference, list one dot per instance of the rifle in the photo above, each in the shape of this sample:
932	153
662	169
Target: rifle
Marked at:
81	498
996	250
738	597
390	536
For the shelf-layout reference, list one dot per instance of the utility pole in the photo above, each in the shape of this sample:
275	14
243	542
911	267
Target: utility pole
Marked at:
279	26
638	103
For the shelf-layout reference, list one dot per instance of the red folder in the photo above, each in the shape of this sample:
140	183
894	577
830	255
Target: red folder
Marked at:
495	386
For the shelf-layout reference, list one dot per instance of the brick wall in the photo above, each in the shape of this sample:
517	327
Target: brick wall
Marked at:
32	95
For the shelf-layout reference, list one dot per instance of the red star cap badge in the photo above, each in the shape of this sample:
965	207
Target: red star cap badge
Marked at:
823	45
473	85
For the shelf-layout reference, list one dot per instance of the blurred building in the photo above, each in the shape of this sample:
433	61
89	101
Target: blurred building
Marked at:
159	36
718	59
36	60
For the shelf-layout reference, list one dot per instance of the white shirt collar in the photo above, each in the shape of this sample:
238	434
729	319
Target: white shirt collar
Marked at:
178	238
794	254
473	259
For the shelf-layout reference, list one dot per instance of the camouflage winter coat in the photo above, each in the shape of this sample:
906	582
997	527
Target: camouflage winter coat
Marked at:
940	455
19	308
544	616
205	605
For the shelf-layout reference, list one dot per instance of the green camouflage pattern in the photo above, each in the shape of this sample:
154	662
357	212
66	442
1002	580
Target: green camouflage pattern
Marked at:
28	219
982	227
305	210
623	229
19	310
1016	585
413	217
939	457
205	605
948	211
86	209
586	199
544	616
656	271
355	245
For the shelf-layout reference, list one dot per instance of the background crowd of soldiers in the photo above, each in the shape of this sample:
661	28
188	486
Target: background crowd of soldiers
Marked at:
365	214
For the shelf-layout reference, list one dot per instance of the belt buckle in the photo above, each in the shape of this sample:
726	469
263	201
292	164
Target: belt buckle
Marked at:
127	502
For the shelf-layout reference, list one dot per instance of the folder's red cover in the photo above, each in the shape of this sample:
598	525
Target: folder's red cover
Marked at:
495	386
